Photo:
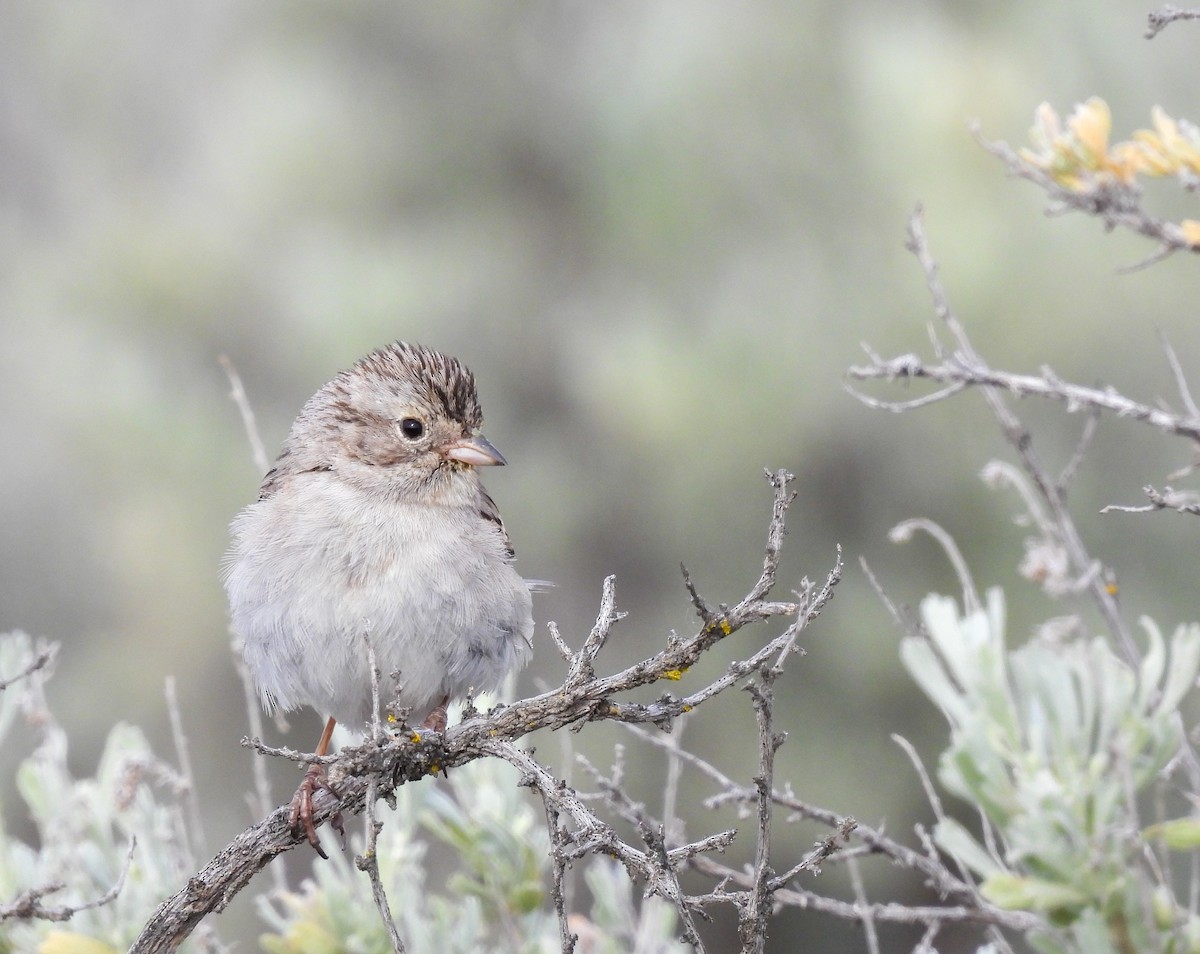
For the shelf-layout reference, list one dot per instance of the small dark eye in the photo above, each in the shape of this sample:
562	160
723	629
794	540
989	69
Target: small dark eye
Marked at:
411	428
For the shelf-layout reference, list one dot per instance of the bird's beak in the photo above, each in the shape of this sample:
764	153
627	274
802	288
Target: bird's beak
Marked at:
476	451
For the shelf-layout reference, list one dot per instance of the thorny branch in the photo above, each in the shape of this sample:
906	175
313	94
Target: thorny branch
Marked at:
375	768
845	831
1161	19
1181	501
29	905
590	835
961	371
559	839
755	914
368	861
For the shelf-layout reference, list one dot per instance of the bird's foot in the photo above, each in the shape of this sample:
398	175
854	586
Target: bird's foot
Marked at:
301	816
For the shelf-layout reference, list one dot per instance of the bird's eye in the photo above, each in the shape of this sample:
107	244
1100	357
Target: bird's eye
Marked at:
411	428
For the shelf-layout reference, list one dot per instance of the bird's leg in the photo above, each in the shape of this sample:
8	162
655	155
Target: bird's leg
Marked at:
436	720
301	817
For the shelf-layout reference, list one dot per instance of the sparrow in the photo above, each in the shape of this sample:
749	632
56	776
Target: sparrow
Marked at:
373	525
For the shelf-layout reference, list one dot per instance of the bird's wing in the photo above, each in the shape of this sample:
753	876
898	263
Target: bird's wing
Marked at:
491	513
284	467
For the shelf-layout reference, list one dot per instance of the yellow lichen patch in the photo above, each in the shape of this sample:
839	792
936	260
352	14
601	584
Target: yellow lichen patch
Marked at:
722	625
673	674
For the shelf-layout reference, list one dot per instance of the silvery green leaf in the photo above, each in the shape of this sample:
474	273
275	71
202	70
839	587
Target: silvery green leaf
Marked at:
1178	834
1185	664
955	840
1153	663
1093	934
958	638
928	672
1016	893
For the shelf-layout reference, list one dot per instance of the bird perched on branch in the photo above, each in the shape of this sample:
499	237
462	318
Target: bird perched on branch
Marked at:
373	525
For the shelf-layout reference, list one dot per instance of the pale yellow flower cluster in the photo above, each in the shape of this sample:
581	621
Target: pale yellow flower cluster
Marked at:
1080	158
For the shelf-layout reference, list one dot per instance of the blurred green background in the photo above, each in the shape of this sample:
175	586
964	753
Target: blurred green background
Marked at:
657	231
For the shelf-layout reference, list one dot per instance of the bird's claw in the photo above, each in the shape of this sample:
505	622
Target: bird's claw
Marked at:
301	816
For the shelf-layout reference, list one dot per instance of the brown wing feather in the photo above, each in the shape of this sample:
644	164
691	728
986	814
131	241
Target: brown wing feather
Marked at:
490	512
284	468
